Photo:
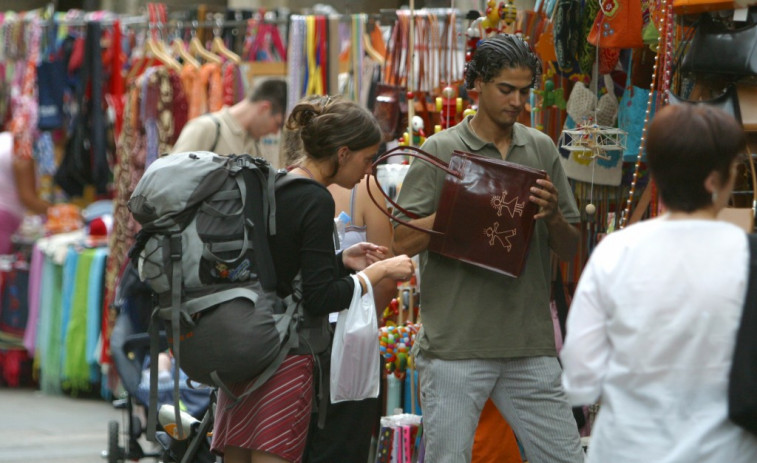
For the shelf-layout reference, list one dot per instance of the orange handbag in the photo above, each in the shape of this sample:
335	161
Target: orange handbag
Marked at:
617	25
700	6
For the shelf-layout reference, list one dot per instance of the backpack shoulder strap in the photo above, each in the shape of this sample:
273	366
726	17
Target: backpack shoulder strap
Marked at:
742	402
283	179
752	281
218	131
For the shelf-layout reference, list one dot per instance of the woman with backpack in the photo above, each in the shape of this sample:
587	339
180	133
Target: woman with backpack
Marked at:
339	139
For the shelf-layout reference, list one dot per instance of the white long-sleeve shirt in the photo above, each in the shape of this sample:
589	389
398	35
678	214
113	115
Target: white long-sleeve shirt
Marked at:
651	333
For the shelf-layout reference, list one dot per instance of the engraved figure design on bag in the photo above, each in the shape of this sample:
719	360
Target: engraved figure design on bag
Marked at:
512	206
503	236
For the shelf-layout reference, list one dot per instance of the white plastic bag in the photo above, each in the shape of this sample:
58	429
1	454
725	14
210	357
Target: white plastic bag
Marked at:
355	360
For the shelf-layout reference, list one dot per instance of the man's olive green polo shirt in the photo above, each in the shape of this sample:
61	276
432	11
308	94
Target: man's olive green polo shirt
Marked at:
469	312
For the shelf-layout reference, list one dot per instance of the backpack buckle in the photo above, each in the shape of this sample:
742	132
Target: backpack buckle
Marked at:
175	247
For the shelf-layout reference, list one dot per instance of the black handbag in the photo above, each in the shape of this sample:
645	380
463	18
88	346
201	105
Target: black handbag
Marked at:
742	385
85	158
719	49
728	101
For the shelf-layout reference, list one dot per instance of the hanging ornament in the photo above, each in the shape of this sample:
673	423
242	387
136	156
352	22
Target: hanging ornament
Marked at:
593	145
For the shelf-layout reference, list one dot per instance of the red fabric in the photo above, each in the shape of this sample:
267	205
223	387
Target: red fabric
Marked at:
10	366
274	418
608	59
229	81
180	108
77	55
117	83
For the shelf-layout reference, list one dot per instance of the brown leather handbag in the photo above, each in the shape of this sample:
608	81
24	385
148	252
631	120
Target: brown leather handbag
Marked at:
485	217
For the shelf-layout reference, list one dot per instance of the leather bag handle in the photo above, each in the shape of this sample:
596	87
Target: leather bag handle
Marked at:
415	153
753	171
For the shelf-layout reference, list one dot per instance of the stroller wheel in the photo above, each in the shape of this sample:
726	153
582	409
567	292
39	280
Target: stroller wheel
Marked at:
115	453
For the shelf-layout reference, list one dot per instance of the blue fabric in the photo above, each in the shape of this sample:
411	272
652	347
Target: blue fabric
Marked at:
193	401
45	307
51	79
14	311
50	363
44	154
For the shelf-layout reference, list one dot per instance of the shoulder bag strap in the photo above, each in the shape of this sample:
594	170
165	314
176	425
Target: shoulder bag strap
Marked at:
415	153
218	132
742	402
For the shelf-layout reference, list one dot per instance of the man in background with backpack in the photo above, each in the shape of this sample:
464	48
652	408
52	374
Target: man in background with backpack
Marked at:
238	129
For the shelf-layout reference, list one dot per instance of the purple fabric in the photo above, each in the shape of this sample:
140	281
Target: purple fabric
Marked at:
148	110
35	278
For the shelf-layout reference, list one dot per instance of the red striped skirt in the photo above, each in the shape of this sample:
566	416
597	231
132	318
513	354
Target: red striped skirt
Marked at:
273	419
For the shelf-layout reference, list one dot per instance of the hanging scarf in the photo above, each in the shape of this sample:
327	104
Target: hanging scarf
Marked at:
75	367
315	59
24	122
297	69
94	315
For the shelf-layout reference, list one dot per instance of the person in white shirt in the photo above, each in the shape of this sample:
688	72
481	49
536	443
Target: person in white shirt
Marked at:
652	327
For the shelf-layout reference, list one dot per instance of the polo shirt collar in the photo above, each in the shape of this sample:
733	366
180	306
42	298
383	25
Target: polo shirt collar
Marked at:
232	124
474	143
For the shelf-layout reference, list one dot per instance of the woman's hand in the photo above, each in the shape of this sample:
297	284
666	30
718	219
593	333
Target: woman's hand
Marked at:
359	256
399	268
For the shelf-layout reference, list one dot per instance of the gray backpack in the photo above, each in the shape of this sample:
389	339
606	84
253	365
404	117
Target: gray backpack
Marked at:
203	249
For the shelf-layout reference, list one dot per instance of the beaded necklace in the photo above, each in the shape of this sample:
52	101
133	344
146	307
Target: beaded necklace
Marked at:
664	47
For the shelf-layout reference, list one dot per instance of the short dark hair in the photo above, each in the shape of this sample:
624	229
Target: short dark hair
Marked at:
496	53
327	123
685	143
274	91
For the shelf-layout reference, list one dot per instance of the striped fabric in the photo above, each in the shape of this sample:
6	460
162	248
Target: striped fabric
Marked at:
526	391
273	419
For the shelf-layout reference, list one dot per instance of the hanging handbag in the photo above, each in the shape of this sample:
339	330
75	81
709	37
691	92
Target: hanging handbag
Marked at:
742	383
617	25
85	158
390	105
51	81
728	101
388	109
485	217
718	49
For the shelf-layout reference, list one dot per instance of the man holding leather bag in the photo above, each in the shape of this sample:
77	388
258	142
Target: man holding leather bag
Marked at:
486	334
